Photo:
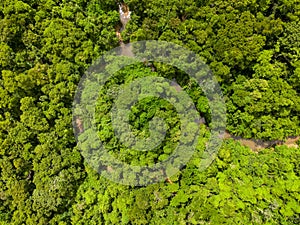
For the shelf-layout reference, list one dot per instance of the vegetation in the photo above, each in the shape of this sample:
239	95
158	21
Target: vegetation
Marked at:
253	47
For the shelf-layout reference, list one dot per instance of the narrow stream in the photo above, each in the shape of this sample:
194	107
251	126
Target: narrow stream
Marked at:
124	18
253	144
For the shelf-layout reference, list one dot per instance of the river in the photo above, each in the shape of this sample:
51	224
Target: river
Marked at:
253	144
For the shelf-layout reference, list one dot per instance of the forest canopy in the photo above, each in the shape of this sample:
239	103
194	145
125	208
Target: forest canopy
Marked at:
253	49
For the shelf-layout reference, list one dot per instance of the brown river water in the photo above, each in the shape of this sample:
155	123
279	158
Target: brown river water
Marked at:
257	145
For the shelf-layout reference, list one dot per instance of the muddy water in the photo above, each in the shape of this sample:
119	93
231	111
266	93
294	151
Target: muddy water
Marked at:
257	145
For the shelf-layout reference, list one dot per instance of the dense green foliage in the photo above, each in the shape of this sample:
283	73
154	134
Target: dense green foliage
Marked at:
253	47
45	48
241	187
